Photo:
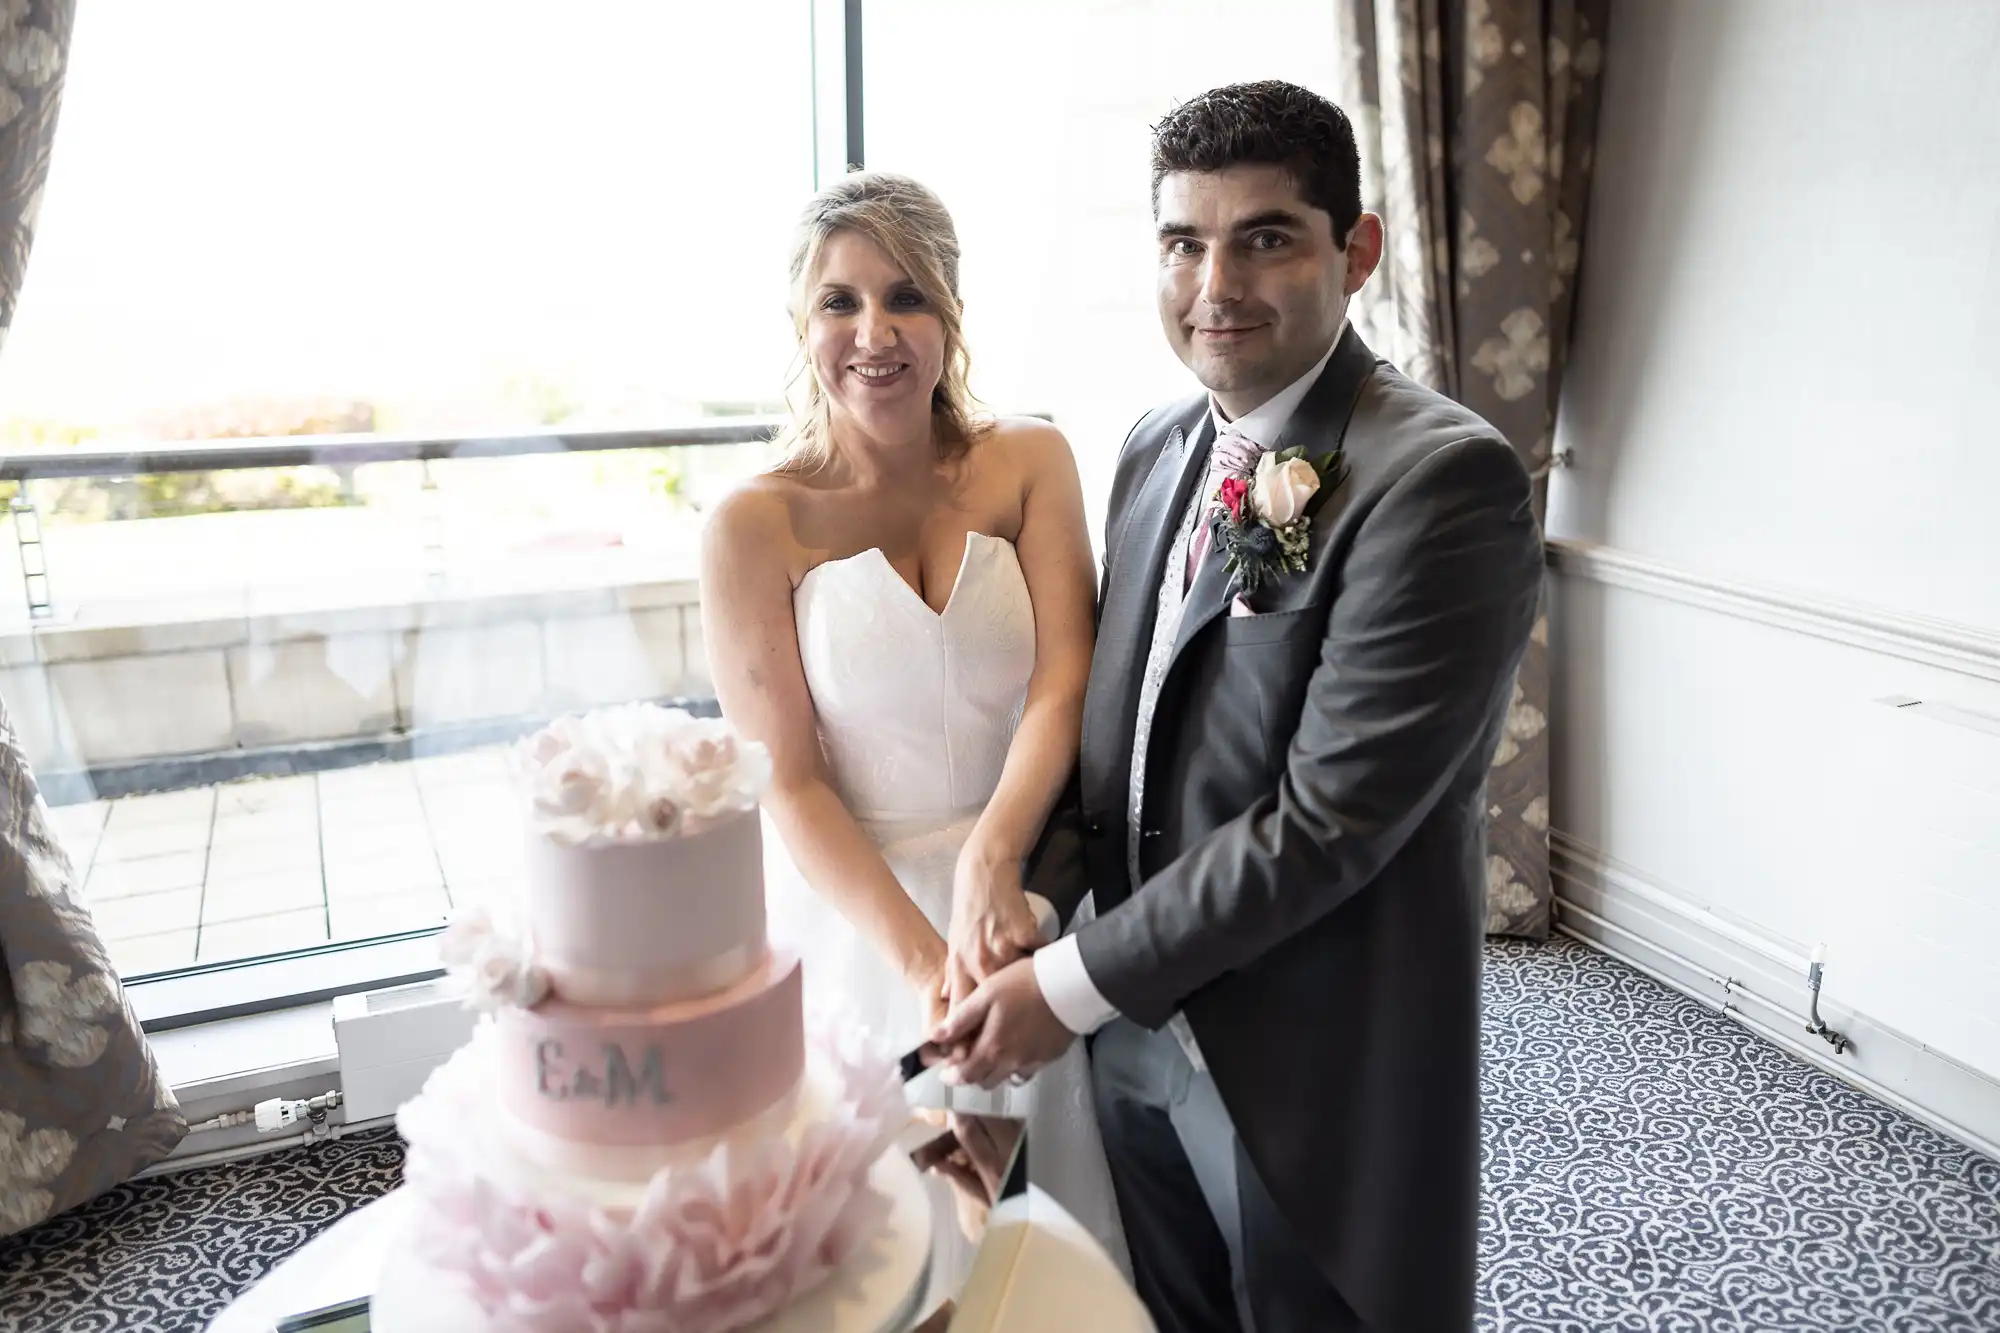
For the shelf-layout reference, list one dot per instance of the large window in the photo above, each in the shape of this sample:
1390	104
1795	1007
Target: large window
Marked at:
265	702
450	216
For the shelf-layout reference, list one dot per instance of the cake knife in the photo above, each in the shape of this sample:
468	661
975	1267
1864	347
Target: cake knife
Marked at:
912	1065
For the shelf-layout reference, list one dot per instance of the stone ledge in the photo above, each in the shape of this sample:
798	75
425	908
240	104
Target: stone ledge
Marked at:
88	697
77	786
307	614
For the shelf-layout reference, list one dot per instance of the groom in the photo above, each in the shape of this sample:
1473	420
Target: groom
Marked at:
1280	801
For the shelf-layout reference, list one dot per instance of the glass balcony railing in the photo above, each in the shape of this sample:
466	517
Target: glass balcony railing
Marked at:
267	683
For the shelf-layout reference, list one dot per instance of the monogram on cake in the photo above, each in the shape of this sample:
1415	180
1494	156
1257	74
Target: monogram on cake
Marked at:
642	1136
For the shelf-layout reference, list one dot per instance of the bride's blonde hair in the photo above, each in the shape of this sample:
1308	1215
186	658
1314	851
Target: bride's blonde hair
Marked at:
914	229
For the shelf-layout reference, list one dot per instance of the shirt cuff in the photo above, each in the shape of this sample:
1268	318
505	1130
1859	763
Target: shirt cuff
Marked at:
1068	989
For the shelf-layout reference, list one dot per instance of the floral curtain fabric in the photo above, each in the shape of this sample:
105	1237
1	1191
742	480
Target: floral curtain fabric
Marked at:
1476	120
82	1103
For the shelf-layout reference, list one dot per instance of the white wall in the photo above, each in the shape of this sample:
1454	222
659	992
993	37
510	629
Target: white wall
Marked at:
1782	397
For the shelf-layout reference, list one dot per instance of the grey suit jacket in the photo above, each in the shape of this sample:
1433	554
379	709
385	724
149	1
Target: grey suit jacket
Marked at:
1313	847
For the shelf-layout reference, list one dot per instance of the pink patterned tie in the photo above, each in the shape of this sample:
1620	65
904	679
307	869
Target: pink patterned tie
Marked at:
1233	455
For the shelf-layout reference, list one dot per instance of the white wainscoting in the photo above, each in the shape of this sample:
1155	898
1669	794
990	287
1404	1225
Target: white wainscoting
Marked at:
1939	643
1761	982
1741	773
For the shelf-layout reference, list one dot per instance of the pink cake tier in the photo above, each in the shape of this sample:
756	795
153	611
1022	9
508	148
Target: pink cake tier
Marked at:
499	1242
648	922
640	1138
617	1092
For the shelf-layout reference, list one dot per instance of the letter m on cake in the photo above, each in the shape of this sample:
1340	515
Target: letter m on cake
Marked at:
620	1084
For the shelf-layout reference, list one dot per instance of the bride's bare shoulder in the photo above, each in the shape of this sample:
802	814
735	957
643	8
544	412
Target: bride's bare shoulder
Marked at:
1017	434
1029	446
753	523
1032	450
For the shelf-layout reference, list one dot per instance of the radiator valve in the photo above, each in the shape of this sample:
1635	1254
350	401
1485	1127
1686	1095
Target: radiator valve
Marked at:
1816	1025
280	1113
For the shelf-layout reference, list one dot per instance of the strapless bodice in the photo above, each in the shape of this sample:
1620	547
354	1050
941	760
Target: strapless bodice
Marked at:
916	707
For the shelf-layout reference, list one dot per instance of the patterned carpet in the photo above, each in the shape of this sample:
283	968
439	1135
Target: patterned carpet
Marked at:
1649	1166
166	1255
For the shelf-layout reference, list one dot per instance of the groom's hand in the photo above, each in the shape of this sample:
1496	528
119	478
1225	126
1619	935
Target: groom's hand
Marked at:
991	922
1003	1030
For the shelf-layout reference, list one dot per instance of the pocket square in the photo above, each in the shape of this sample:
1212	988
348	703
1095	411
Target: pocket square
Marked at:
1239	605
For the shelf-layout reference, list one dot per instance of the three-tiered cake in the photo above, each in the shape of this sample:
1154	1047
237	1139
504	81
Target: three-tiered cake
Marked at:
640	1135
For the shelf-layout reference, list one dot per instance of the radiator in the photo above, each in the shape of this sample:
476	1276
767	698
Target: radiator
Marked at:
390	1040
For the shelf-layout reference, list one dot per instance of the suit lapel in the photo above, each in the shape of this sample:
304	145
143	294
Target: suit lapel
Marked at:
1125	625
1319	423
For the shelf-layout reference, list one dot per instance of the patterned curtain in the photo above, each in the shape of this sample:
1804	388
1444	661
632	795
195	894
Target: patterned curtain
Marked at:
1476	120
82	1104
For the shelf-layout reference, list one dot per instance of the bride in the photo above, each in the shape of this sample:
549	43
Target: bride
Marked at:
902	612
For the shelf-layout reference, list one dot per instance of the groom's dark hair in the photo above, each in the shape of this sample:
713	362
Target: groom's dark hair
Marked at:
1269	123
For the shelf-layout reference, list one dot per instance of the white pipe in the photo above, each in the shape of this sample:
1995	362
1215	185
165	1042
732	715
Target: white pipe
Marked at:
1564	908
259	1147
1812	1054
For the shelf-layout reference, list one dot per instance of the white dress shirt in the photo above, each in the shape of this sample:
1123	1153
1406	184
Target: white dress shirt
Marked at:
1059	971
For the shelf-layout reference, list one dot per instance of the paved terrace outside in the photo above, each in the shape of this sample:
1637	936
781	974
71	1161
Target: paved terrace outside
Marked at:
263	865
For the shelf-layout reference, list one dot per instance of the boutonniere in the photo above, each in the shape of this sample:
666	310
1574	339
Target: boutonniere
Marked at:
1263	525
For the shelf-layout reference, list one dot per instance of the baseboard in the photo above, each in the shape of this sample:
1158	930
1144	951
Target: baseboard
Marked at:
1759	980
242	1057
1967	649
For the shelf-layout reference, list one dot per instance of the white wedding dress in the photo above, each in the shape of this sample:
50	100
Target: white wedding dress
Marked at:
916	710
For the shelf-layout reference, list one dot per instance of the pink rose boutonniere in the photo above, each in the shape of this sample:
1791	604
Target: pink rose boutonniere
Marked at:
1263	526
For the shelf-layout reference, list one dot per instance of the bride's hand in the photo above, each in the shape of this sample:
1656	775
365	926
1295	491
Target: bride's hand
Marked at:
991	922
929	977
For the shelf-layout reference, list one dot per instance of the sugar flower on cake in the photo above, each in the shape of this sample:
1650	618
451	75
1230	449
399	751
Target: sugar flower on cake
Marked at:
709	770
638	771
495	964
711	1245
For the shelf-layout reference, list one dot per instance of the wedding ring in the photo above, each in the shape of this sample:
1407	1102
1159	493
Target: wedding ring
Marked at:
1018	1080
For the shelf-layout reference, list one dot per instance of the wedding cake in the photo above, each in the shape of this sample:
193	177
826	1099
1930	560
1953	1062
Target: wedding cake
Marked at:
641	1134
